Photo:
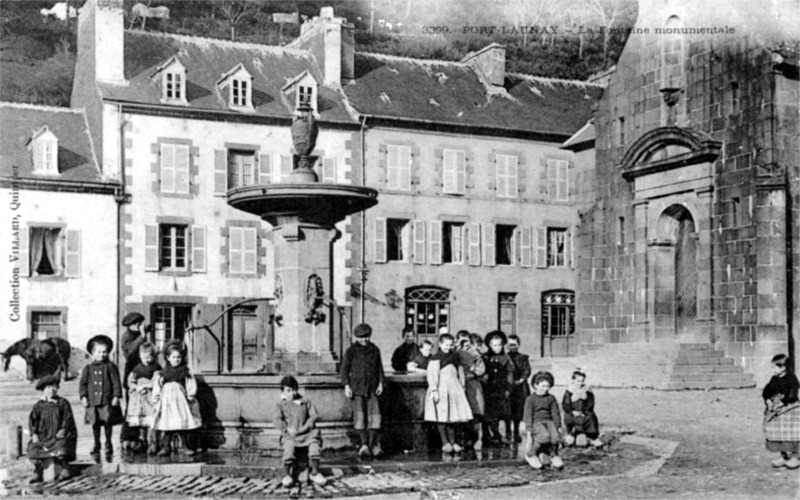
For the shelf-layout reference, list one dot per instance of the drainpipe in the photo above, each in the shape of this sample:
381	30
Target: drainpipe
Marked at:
363	218
120	196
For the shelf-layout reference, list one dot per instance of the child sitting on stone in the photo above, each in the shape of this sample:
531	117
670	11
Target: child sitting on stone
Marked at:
580	420
53	432
295	419
542	420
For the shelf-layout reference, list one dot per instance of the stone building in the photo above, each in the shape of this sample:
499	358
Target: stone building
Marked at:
59	237
692	240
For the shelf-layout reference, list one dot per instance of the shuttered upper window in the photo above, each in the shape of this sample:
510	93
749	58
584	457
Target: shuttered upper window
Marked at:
558	180
398	167
454	171
507	176
174	171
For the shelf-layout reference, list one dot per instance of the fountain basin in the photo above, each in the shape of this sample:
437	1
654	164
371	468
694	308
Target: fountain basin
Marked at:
309	202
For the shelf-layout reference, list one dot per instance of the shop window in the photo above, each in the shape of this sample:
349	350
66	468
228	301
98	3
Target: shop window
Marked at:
428	310
170	322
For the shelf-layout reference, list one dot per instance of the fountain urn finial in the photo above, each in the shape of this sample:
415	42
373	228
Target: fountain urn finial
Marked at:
304	137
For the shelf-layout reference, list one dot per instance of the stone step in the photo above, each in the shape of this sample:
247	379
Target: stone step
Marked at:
707	368
701	354
711	377
702	360
676	386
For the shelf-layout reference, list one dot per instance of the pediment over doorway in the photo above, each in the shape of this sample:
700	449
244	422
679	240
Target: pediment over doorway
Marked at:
668	148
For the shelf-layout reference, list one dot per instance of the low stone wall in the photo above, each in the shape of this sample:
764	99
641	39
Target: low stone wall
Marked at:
238	411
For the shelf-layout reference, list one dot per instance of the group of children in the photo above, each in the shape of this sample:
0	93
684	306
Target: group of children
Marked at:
160	401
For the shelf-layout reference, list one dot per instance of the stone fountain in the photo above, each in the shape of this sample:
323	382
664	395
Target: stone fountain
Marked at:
303	213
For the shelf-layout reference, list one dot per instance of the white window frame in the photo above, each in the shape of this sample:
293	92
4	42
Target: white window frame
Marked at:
398	167
169	177
457	242
173	247
241	92
45	155
242	250
454	171
404	245
175	86
306	90
552	247
507	176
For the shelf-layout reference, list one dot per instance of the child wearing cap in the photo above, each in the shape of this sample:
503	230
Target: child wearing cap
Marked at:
542	421
100	391
295	419
362	376
53	431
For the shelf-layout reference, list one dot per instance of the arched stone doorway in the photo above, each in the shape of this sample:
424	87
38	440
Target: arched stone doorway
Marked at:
676	271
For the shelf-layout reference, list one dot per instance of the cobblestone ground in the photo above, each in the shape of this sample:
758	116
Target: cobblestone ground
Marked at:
720	455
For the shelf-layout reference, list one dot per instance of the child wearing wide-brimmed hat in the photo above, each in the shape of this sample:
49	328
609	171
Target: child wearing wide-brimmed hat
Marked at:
100	391
53	432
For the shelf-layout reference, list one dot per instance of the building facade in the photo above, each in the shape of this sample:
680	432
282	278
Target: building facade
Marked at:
61	239
692	236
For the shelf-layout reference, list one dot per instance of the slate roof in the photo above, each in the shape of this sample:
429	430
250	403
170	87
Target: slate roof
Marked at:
452	93
582	139
206	60
76	157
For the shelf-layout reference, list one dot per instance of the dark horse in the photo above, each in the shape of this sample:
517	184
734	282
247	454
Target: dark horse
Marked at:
40	356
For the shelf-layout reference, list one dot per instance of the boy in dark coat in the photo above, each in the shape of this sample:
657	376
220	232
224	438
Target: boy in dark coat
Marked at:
406	352
362	376
53	431
100	391
520	389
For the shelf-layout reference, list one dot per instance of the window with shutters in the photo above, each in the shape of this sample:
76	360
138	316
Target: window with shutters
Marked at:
173	246
454	171
241	168
54	251
558	180
453	242
398	167
556	247
397	238
174	170
243	250
284	170
46	325
428	310
507	176
505	244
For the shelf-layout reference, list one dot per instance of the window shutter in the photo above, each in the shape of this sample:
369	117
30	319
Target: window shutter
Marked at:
405	167
541	247
571	248
488	245
435	246
474	235
419	242
250	250
512	171
73	253
198	249
329	170
151	247
286	168
461	172
392	167
220	171
562	185
167	168
500	176
380	239
235	250
526	247
24	256
265	169
552	172
449	180
182	168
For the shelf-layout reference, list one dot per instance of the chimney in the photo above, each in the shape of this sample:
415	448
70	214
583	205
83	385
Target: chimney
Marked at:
331	41
489	63
101	36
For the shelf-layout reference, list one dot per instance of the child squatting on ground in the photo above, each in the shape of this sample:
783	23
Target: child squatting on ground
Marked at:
141	410
542	420
100	391
53	432
362	377
445	402
580	420
782	414
176	410
295	419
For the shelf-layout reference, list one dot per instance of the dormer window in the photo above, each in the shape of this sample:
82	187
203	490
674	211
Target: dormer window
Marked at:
172	77
237	84
303	88
44	149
